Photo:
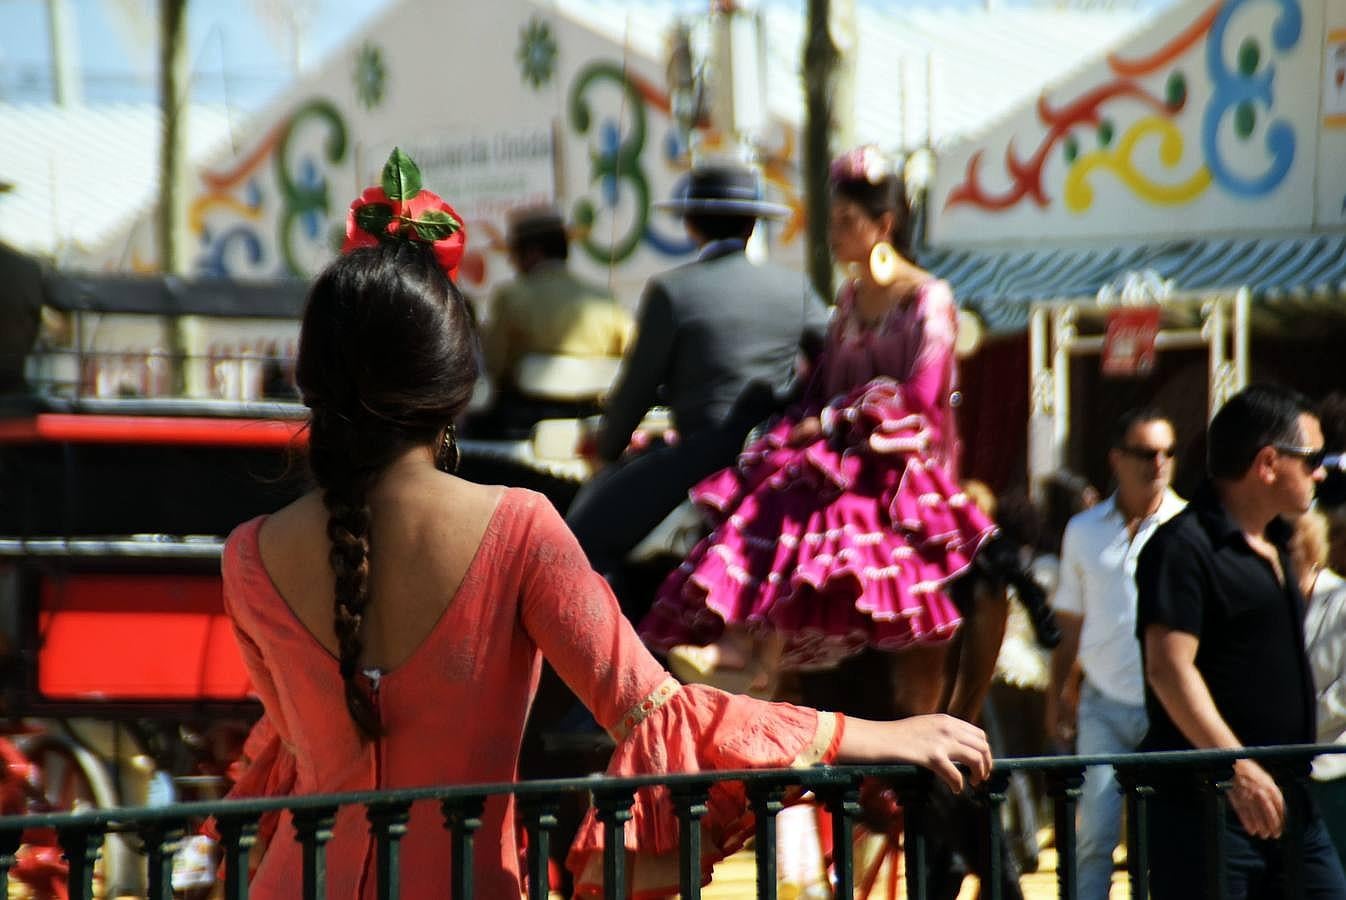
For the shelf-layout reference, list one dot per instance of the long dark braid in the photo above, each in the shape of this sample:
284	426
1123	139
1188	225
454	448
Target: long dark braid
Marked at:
346	497
387	358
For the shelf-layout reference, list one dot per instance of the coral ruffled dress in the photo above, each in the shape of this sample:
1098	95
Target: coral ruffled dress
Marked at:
454	713
849	541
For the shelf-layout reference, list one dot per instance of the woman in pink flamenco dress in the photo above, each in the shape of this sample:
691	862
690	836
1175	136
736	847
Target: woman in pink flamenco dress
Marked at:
394	620
841	528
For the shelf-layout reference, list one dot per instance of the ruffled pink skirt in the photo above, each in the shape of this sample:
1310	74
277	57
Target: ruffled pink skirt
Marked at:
845	543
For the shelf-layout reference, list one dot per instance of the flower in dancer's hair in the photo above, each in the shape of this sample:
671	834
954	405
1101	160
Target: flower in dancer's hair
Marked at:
537	52
400	209
868	163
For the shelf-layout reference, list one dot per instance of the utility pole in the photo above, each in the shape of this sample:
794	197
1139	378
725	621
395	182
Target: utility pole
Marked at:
820	66
845	30
173	91
65	86
174	88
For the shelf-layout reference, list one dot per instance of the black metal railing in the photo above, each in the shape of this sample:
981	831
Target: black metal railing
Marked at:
1141	776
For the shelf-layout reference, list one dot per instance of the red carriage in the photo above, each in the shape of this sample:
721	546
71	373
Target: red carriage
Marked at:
140	420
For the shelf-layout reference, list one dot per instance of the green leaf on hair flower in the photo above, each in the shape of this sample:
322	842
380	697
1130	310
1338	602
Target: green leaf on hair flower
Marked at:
374	217
401	177
435	225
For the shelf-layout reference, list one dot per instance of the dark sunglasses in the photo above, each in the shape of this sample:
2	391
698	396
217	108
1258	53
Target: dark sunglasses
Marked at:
1312	458
1149	454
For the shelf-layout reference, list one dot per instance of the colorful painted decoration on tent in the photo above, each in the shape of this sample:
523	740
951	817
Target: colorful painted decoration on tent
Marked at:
614	217
536	53
278	209
370	76
295	200
1127	128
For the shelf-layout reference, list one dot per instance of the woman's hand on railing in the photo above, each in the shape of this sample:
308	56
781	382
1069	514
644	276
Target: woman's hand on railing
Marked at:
1257	800
938	742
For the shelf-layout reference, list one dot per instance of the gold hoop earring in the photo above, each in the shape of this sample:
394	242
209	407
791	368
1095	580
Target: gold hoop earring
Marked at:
883	263
448	456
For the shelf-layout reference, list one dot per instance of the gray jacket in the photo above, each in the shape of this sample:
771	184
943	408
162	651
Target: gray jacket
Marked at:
716	341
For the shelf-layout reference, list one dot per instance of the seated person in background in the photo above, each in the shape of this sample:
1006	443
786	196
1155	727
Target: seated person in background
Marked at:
546	310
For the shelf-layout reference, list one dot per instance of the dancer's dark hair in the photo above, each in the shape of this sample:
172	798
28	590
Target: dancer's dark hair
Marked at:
886	194
387	360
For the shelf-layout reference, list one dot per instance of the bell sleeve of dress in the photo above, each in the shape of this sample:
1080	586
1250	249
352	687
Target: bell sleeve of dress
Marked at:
642	371
659	725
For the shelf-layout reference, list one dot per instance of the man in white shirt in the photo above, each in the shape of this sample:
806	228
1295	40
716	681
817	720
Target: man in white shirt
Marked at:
1095	604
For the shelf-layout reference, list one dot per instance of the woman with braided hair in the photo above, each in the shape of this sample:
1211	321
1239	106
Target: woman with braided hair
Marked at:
394	620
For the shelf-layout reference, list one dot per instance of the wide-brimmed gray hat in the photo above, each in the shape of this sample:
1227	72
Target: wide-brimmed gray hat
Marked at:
724	190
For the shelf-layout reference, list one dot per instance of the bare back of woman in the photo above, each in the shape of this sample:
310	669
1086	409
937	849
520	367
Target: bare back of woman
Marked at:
425	528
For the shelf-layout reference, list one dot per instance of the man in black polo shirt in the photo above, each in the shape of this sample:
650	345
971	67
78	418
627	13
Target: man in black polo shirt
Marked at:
1220	620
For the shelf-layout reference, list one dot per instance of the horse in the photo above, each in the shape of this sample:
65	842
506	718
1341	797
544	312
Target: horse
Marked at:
952	676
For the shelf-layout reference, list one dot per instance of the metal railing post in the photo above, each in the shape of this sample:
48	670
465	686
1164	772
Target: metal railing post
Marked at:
313	829
539	818
462	816
9	848
1064	787
82	844
1215	783
995	792
161	840
914	792
767	799
238	834
843	804
1152	783
690	802
613	809
1133	781
388	825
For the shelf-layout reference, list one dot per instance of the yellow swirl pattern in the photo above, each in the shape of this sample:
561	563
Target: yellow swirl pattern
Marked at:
204	204
1079	195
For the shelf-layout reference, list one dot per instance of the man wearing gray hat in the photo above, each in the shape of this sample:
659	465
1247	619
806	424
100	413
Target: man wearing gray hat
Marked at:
717	341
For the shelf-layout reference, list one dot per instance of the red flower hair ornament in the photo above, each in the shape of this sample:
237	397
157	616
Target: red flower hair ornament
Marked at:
399	209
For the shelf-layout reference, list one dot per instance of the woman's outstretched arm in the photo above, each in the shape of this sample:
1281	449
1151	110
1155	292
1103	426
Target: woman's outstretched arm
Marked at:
939	743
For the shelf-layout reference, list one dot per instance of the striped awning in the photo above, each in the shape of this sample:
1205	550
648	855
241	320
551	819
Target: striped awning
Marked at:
1292	279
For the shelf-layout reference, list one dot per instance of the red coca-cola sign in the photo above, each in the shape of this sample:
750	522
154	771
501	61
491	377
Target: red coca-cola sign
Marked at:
1128	344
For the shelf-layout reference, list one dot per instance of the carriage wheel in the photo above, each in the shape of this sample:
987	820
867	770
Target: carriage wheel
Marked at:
71	779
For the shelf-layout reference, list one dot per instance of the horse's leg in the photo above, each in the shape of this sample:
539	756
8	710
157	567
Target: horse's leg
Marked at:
971	666
917	677
979	644
983	631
